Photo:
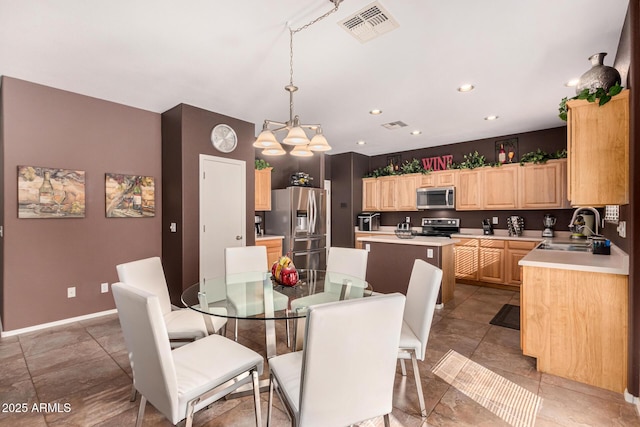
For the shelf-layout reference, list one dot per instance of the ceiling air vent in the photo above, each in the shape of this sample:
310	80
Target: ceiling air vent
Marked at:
394	125
369	23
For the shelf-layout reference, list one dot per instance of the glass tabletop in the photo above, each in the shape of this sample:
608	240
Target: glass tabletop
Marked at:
256	295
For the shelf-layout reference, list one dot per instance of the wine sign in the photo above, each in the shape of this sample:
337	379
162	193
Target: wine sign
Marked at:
50	193
438	163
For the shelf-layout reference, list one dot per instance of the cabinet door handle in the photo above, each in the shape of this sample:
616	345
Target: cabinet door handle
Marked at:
238	237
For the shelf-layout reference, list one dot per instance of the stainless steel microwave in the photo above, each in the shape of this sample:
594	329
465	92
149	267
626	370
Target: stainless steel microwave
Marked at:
436	198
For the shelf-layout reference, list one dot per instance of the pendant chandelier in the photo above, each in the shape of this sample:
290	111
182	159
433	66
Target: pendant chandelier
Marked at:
296	135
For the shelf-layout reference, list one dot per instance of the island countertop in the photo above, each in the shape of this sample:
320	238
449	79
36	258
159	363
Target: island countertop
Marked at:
616	263
416	241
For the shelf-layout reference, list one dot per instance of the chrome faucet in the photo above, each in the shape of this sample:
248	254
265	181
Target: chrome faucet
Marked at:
596	218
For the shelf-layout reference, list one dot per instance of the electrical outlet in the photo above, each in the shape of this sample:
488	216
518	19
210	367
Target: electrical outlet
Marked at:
495	220
104	287
71	292
429	253
622	229
367	247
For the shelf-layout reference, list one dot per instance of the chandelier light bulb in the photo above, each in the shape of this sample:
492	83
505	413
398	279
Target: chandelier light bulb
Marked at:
301	151
266	139
319	142
275	150
296	136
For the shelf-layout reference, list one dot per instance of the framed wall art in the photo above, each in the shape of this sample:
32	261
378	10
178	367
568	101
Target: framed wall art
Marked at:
129	196
507	150
45	192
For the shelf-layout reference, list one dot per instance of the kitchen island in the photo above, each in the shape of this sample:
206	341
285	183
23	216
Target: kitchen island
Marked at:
391	261
574	315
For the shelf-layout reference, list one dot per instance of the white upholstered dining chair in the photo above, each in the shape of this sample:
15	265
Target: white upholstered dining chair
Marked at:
346	371
179	383
422	295
251	259
182	324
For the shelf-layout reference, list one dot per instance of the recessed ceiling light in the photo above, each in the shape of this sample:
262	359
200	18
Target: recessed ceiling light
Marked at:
361	142
416	132
467	87
572	83
375	112
491	118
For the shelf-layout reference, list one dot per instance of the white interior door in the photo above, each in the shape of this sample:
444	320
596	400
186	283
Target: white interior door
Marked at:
222	211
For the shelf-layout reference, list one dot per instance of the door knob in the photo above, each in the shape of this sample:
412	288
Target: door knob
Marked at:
238	237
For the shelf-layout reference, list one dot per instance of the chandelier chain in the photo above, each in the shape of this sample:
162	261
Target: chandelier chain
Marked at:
292	32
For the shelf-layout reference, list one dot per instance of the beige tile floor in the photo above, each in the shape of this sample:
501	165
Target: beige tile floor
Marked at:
85	365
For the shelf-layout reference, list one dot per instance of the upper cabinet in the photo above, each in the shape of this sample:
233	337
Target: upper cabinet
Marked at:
370	194
543	186
437	179
532	186
598	152
500	187
263	189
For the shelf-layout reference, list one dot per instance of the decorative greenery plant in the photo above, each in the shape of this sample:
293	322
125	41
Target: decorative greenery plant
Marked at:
262	164
412	166
541	156
599	95
471	161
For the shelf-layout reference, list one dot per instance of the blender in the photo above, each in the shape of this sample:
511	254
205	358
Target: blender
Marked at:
549	222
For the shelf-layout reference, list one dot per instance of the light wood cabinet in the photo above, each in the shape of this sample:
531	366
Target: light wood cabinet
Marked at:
387	193
500	186
438	179
406	192
466	259
576	324
263	189
515	251
543	186
491	261
370	194
598	152
274	249
469	189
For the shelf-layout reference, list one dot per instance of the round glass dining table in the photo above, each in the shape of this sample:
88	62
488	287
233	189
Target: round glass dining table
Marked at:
257	296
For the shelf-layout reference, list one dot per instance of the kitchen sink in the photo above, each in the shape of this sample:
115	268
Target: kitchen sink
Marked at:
575	247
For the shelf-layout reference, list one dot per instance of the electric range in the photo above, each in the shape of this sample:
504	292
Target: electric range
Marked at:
440	227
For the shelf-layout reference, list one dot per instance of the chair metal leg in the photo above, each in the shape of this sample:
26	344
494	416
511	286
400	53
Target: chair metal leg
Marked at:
403	367
134	393
256	397
143	402
270	404
387	422
191	405
287	328
416	373
235	333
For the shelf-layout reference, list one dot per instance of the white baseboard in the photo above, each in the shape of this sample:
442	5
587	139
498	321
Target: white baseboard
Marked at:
4	334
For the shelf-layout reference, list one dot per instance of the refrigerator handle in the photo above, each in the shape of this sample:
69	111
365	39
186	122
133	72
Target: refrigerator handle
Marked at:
312	223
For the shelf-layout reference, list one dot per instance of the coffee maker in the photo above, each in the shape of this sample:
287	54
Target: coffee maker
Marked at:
258	225
549	222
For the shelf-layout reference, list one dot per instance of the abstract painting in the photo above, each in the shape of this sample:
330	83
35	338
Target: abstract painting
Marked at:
129	196
50	193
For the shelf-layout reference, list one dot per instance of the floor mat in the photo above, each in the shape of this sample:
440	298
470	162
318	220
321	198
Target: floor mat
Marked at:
508	317
512	403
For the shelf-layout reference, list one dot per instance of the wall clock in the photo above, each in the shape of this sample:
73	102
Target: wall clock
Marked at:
224	138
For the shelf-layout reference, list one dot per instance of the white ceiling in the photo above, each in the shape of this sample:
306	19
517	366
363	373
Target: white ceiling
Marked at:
233	58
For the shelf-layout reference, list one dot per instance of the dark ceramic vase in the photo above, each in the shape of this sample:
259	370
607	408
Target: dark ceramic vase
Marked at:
599	76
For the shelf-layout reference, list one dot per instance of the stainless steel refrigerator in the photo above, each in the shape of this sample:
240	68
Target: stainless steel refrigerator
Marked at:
299	214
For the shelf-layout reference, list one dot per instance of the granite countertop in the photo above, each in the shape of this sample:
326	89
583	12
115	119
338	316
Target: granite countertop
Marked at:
416	241
268	237
616	263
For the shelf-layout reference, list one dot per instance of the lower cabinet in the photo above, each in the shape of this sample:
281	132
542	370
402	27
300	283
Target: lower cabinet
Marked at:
466	259
274	249
491	261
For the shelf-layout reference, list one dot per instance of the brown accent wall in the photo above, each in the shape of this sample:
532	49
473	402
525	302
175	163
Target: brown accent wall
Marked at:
42	126
186	133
